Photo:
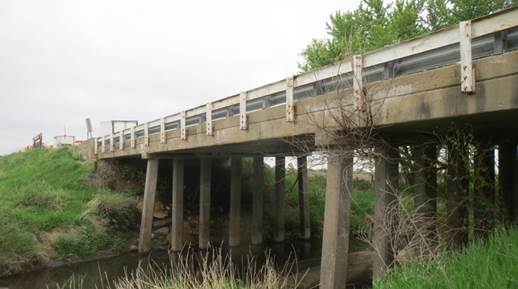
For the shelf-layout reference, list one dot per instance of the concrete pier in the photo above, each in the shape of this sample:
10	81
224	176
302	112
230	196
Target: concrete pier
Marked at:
279	198
484	188
337	219
257	200
425	186
386	185
457	194
205	192
506	153
234	238
515	183
177	206
302	177
146	224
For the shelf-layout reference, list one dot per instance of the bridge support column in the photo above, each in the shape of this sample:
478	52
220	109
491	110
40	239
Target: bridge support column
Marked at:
302	176
386	185
177	206
234	238
205	190
337	218
280	175
146	224
457	194
257	200
425	187
506	156
515	183
484	189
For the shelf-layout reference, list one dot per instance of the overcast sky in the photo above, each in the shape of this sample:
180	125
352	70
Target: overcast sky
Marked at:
63	61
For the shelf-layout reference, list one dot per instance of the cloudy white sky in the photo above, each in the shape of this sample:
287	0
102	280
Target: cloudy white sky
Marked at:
63	61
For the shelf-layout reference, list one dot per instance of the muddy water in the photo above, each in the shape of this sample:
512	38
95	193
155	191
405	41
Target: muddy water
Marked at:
90	272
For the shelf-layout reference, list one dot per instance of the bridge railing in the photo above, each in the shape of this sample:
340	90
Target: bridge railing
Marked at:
469	40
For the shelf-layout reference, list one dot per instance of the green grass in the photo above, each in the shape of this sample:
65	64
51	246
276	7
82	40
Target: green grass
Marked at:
42	193
86	241
493	264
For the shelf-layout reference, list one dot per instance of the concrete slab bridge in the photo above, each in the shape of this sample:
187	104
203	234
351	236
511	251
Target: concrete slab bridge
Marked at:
467	74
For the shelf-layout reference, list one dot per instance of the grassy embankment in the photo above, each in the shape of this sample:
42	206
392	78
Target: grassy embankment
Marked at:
48	210
493	264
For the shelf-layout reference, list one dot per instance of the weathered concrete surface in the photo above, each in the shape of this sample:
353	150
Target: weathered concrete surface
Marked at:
257	200
386	185
146	224
506	153
280	186
205	190
337	220
484	188
515	182
86	148
457	193
177	206
303	184
429	96
234	238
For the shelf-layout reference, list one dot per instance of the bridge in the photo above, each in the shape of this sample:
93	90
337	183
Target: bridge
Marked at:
467	74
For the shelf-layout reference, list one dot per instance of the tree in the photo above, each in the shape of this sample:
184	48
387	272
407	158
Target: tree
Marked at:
377	23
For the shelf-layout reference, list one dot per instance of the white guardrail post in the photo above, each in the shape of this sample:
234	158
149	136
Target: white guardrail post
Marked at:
467	71
359	95
290	106
133	142
146	134
96	148
162	131
103	145
121	140
243	121
112	147
208	119
183	130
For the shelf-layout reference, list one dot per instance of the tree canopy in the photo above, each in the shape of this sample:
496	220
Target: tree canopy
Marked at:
377	23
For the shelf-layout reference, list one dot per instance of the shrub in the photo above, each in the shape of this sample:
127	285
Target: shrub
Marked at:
86	241
40	195
118	212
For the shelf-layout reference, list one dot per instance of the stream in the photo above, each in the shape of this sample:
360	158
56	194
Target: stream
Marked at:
307	254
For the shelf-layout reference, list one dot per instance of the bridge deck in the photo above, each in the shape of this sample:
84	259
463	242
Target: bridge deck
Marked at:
411	84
